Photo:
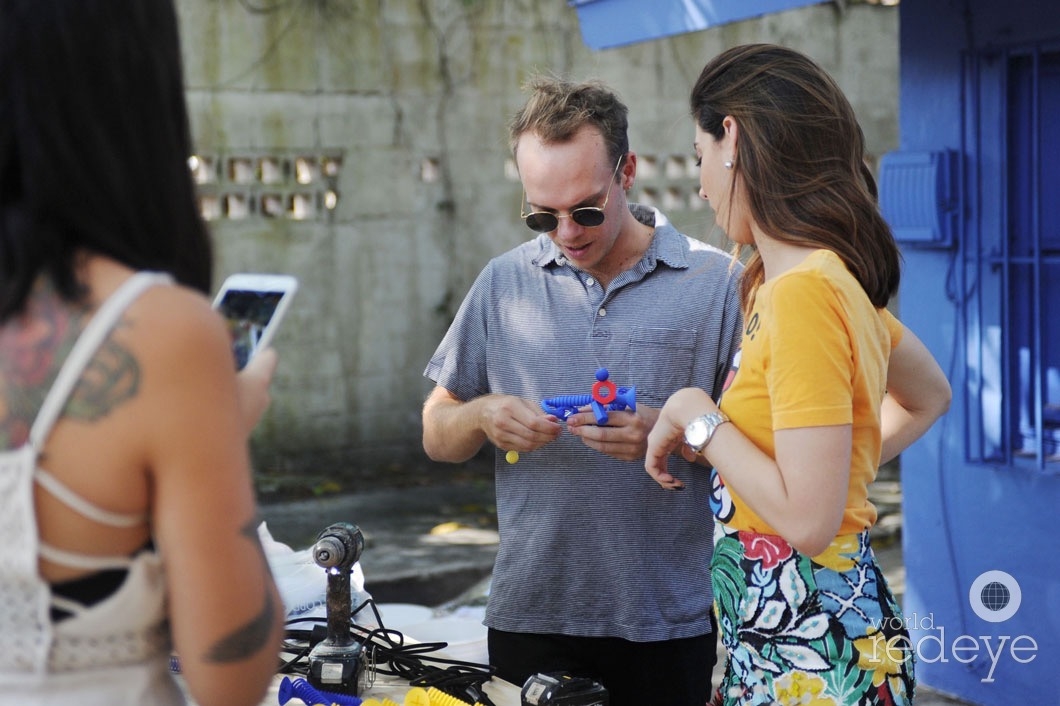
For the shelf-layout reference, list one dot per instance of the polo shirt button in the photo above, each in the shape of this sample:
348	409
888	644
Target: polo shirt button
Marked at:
603	311
590	281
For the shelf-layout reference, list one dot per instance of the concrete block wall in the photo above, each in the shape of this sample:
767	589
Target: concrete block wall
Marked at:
408	102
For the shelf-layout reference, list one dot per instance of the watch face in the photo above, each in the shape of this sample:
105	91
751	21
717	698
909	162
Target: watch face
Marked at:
696	433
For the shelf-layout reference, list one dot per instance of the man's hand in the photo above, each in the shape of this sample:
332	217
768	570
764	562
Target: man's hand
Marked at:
515	424
455	430
625	436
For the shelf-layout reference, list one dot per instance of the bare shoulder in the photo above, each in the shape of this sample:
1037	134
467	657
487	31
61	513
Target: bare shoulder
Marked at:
168	339
186	377
175	324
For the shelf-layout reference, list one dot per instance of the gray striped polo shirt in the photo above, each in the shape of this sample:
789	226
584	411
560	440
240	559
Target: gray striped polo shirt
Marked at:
590	545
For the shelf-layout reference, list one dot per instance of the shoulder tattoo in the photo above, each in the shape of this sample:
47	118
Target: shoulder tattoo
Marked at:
111	378
32	348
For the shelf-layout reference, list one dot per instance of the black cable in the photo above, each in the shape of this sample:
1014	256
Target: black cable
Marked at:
387	653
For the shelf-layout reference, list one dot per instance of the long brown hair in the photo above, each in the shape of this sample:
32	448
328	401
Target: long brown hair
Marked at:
801	157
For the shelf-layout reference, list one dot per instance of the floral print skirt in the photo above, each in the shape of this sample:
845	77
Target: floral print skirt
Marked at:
818	631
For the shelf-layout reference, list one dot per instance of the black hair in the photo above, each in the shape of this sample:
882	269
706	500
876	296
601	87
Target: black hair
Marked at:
94	145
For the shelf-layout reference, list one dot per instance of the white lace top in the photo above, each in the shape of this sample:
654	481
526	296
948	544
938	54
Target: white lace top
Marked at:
115	651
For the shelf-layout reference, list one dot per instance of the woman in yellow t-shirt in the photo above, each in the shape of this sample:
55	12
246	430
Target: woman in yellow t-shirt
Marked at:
828	385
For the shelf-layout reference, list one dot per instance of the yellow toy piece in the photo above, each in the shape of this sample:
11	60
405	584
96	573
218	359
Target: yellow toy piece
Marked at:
512	457
417	697
440	698
377	702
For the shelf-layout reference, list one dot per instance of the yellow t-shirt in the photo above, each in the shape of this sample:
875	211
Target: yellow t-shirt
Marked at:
814	353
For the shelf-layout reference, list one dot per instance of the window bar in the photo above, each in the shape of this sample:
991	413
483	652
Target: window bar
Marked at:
989	450
968	249
1008	441
1037	360
969	246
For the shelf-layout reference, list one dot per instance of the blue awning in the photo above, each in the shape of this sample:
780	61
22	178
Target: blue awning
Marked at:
612	23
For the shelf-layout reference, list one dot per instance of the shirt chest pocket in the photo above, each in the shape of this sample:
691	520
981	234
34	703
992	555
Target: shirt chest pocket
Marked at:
660	362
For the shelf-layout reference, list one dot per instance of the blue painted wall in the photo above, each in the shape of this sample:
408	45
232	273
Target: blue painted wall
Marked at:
963	519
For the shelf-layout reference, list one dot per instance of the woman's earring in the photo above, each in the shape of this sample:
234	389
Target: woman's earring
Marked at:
728	164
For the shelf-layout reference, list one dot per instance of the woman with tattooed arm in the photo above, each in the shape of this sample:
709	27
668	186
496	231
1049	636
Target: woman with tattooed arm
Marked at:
127	516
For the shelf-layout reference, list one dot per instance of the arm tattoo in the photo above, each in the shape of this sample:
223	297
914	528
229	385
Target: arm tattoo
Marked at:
246	640
249	638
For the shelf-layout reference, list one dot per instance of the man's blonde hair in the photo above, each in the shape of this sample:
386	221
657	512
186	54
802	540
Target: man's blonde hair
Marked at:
558	108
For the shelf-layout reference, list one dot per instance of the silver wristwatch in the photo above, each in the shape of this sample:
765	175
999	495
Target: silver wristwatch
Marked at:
701	430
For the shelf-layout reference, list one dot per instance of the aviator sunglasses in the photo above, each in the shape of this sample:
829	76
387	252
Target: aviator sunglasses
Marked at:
586	216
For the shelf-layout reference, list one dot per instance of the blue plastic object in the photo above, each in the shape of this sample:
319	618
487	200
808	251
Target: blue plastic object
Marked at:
614	23
919	197
299	688
605	397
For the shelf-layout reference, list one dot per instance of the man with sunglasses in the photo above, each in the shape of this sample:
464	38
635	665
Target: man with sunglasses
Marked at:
599	573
